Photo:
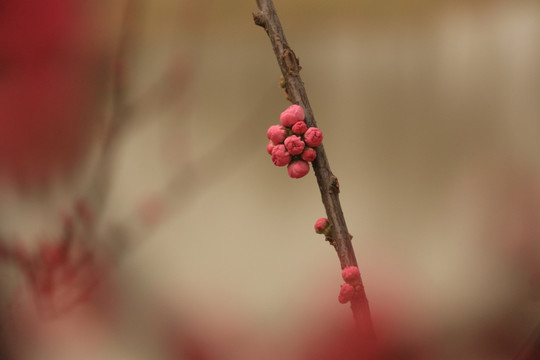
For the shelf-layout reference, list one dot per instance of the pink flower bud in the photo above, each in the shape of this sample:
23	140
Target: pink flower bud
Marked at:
292	115
299	128
309	154
351	275
276	134
313	137
346	293
298	169
322	226
280	156
270	147
294	145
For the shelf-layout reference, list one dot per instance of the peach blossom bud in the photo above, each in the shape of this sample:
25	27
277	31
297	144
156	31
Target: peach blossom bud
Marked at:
309	154
276	133
292	115
270	147
294	145
346	293
299	128
322	226
298	169
351	275
280	156
313	137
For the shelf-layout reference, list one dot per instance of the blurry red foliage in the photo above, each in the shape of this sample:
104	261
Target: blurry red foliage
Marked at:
48	87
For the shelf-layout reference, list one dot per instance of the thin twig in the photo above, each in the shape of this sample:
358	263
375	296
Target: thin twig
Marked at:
169	90
328	182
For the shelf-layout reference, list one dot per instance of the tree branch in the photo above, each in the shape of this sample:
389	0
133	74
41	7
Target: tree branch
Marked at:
327	181
530	349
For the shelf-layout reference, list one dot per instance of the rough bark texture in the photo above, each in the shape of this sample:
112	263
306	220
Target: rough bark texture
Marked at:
290	67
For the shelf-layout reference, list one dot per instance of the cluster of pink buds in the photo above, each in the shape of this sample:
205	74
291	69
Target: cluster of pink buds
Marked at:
351	276
292	143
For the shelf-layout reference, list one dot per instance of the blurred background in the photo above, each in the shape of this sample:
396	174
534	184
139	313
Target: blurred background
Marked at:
430	112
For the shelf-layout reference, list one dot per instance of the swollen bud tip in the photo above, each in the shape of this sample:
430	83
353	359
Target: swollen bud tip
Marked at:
298	169
292	115
351	275
322	226
346	293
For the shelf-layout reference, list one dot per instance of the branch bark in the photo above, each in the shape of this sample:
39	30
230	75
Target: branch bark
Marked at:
328	183
530	349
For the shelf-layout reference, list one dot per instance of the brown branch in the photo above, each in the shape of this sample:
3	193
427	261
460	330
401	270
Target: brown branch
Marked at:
328	182
530	349
168	91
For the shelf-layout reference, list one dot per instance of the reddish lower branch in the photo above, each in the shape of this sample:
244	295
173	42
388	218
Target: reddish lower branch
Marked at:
328	183
530	350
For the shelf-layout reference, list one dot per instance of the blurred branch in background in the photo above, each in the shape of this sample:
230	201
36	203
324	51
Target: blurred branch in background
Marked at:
170	88
530	349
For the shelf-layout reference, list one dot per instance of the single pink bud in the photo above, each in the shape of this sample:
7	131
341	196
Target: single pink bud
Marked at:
322	226
346	293
276	134
294	145
299	128
351	275
280	156
292	115
309	154
270	147
313	137
298	169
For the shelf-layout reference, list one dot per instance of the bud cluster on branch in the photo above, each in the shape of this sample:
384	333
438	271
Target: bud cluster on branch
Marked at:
292	143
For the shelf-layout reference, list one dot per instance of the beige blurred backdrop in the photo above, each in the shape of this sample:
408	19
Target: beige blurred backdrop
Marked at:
431	119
